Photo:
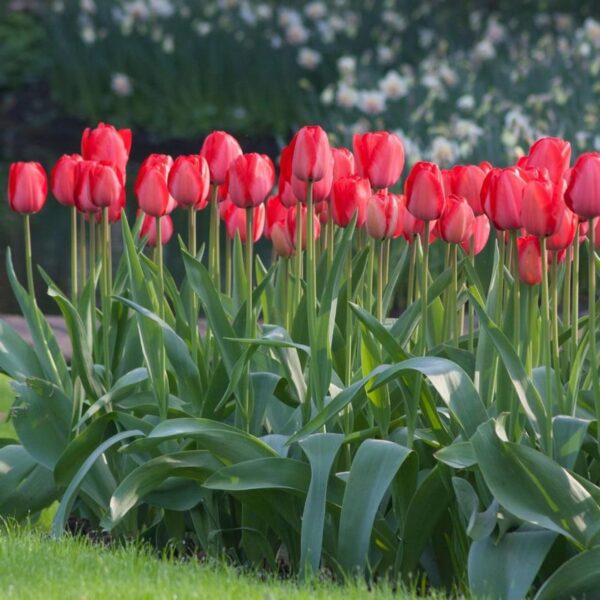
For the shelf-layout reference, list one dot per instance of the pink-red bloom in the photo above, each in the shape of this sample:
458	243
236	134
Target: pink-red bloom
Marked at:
291	224
220	150
480	235
27	187
350	195
552	154
106	184
583	192
312	154
466	181
63	179
251	179
343	163
424	189
565	234
529	259
457	221
502	195
107	143
382	215
189	181
235	220
151	187
542	207
379	157
149	229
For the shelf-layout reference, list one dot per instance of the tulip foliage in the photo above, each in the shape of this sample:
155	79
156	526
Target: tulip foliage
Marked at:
408	390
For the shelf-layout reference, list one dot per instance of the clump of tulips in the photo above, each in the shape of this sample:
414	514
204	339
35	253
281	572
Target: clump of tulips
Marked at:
375	376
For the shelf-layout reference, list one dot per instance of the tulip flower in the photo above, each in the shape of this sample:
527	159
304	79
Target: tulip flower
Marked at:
275	212
424	189
379	157
349	196
583	191
286	193
63	179
466	181
382	215
321	189
529	260
83	187
563	237
151	188
220	151
251	179
105	143
283	242
401	202
552	154
542	207
311	155
148	229
189	181
27	192
501	197
292	225
457	221
480	234
106	184
343	163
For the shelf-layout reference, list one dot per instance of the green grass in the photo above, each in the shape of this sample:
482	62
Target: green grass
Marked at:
6	400
35	566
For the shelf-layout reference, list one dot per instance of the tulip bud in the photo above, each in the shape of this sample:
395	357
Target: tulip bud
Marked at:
291	224
250	180
350	195
105	143
480	234
311	155
27	187
529	260
379	157
457	221
63	179
542	207
189	181
321	189
501	197
275	212
106	184
583	192
282	241
343	163
382	215
552	154
235	220
466	181
565	234
220	150
151	187
425	197
148	229
83	186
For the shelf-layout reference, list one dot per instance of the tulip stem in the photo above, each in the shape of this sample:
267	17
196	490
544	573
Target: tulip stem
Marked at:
350	297
249	311
228	245
311	276
380	267
546	327
411	272
555	344
566	299
28	256
74	250
592	318
193	303
286	292
424	290
516	293
575	297
82	249
105	298
298	283
454	322
471	306
161	274
330	234
214	257
386	262
371	272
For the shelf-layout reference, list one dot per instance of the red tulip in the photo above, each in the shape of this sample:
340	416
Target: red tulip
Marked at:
83	186
189	181
382	215
466	181
425	196
27	187
379	157
63	179
350	195
343	163
276	212
552	154
251	178
108	144
151	187
106	184
401	203
542	207
148	229
291	224
311	155
282	240
114	210
457	221
583	192
480	235
321	189
529	259
235	220
565	234
501	197
220	150
322	211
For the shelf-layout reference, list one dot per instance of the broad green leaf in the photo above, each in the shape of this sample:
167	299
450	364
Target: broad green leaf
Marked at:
374	466
17	358
479	524
458	455
535	488
321	450
569	433
505	569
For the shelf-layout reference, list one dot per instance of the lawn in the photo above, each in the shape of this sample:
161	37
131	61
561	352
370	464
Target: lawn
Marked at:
35	566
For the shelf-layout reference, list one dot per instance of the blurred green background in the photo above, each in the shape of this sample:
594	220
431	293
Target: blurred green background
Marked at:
458	81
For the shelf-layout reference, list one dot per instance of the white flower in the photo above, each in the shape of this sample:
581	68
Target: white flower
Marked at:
88	6
393	85
448	75
168	44
121	84
309	58
202	28
346	65
443	151
431	81
591	28
385	54
484	50
495	31
58	6
161	8
412	151
296	34
346	96
426	37
88	34
371	102
466	129
466	102
327	95
137	10
585	49
289	17
581	138
264	11
315	10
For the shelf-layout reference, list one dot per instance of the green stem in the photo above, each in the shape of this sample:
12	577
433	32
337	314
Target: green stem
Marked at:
249	312
298	265
380	278
311	273
330	234
592	320
546	327
555	341
471	307
424	290
349	348
500	302
214	246
371	272
161	273
193	302
454	324
575	298
105	298
28	256
228	265
411	272
516	293
286	293
74	250
386	262
82	250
